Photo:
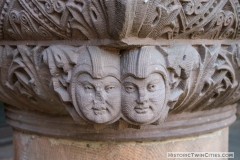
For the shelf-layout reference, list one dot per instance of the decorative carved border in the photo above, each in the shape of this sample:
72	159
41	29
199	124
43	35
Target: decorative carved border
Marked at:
104	85
118	19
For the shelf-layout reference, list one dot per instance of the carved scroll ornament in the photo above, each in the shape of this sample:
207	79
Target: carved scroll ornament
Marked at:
118	19
103	85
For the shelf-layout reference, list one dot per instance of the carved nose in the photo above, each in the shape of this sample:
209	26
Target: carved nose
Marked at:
142	96
99	97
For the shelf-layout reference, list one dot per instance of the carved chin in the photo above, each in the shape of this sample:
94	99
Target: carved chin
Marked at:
144	116
98	113
141	114
101	117
98	116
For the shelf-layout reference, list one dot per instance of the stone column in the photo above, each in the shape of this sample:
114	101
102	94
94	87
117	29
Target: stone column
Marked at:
119	79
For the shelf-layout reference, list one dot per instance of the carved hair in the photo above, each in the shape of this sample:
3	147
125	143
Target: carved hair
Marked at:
99	63
143	61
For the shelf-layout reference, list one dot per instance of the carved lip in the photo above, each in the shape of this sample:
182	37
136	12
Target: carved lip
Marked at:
142	109
99	109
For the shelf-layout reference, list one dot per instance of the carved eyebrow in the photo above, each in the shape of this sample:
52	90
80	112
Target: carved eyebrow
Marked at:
128	83
84	83
111	83
154	81
129	80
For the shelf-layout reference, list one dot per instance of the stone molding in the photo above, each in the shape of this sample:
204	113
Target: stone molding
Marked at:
102	85
118	19
175	126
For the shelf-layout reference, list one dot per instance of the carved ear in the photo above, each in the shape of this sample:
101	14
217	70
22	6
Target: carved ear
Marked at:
61	60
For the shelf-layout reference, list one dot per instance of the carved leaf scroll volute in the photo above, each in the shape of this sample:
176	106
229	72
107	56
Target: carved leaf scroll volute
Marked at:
119	19
94	19
210	83
24	27
182	63
61	60
230	84
159	18
25	76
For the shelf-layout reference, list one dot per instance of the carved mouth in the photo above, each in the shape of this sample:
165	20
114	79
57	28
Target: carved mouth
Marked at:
99	112
98	109
142	109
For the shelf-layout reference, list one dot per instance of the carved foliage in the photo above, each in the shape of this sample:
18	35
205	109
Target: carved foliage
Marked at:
90	18
24	27
60	60
153	79
212	19
211	82
118	19
219	28
24	75
155	18
191	7
96	85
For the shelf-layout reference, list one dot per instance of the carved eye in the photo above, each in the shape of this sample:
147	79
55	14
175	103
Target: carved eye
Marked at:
88	88
130	88
109	88
151	87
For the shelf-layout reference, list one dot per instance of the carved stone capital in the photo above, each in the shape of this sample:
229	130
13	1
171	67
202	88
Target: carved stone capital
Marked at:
117	67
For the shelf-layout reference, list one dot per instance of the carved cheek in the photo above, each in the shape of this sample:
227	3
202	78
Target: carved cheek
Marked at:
157	99
129	97
114	98
84	98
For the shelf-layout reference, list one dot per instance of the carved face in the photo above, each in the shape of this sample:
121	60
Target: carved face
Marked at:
143	99
99	100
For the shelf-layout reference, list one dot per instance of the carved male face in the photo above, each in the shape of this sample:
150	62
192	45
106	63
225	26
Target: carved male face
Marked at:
99	100
143	98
